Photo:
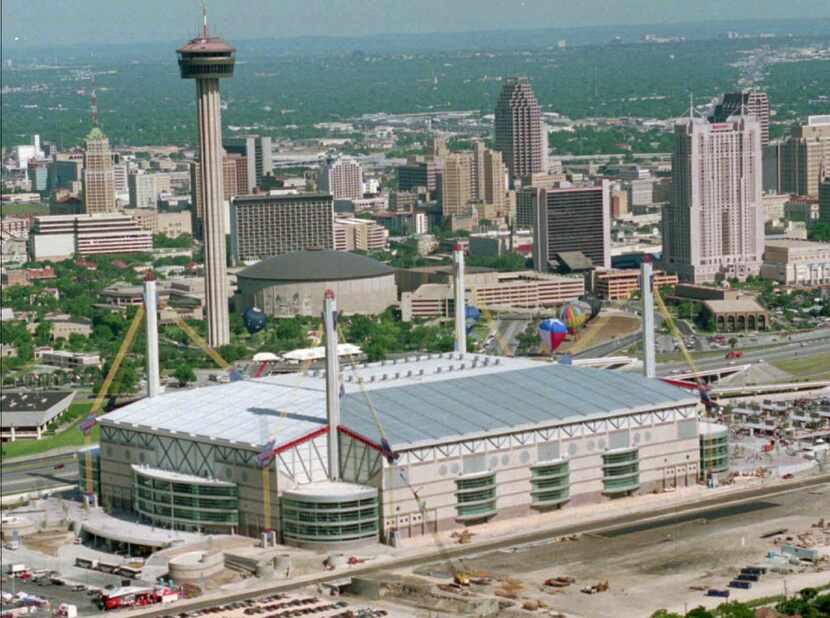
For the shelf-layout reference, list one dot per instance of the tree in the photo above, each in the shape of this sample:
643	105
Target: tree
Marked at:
43	333
733	341
185	374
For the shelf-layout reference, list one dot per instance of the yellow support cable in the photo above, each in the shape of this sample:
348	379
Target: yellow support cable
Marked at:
488	318
96	406
222	363
664	311
198	340
457	574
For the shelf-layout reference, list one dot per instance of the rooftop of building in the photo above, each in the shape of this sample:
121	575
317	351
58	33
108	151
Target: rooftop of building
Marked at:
574	260
323	265
794	243
420	400
28	409
742	304
281	197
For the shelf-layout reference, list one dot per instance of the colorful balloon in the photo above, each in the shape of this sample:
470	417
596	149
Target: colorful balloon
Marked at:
472	314
552	332
254	320
573	315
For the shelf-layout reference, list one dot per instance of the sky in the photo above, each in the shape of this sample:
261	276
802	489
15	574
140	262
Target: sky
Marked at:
47	23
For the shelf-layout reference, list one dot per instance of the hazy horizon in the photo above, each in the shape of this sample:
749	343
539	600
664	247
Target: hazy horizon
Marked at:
44	23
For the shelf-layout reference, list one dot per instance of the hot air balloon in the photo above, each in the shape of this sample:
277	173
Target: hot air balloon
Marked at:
553	333
254	319
472	314
573	316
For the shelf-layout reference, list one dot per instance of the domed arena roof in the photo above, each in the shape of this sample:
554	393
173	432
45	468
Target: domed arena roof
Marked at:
316	266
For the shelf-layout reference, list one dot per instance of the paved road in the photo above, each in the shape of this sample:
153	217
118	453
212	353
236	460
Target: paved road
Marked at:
16	478
779	351
434	555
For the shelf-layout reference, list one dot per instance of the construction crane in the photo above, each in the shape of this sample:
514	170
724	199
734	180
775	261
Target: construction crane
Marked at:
90	421
705	396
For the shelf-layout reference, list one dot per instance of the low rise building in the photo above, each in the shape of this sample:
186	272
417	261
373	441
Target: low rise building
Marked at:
27	415
65	327
359	235
404	223
741	314
797	262
59	237
488	289
170	224
67	360
619	284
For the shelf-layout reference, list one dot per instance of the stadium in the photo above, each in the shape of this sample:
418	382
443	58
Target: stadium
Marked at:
476	438
293	284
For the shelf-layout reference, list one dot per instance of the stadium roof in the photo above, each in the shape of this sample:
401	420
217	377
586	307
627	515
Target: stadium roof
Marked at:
321	265
418	402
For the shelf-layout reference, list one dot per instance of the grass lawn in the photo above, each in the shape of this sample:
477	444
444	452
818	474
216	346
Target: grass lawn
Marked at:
70	436
816	367
24	209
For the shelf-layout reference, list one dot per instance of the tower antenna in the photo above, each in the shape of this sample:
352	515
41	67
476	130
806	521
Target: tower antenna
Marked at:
204	21
94	104
691	105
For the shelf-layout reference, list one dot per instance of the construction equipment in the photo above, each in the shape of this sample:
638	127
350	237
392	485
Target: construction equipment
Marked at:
705	396
90	421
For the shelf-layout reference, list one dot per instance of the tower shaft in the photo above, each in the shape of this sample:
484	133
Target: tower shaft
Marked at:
210	160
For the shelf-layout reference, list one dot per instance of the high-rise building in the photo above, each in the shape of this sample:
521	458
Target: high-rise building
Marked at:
258	154
66	170
119	178
519	128
437	146
239	164
421	175
234	181
824	200
456	193
753	103
38	172
619	203
713	227
803	154
572	219
342	178
477	171
351	234
265	225
494	188
143	191
99	182
207	59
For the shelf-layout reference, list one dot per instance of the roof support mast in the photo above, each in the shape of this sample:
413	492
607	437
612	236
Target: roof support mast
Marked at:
647	297
152	334
332	383
460	304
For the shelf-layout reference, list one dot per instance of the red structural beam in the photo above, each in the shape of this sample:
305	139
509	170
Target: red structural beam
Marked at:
360	438
298	441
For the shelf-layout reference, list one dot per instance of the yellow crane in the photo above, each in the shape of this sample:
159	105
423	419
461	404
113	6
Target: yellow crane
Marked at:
90	421
705	397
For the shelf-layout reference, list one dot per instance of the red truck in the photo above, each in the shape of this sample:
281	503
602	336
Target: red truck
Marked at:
734	354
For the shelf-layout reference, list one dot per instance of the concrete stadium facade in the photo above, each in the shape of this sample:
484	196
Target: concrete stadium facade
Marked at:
476	438
294	284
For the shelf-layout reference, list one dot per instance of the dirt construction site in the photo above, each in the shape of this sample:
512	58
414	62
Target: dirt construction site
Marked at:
631	570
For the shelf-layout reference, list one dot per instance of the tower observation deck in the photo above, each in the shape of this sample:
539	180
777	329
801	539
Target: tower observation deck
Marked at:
208	59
